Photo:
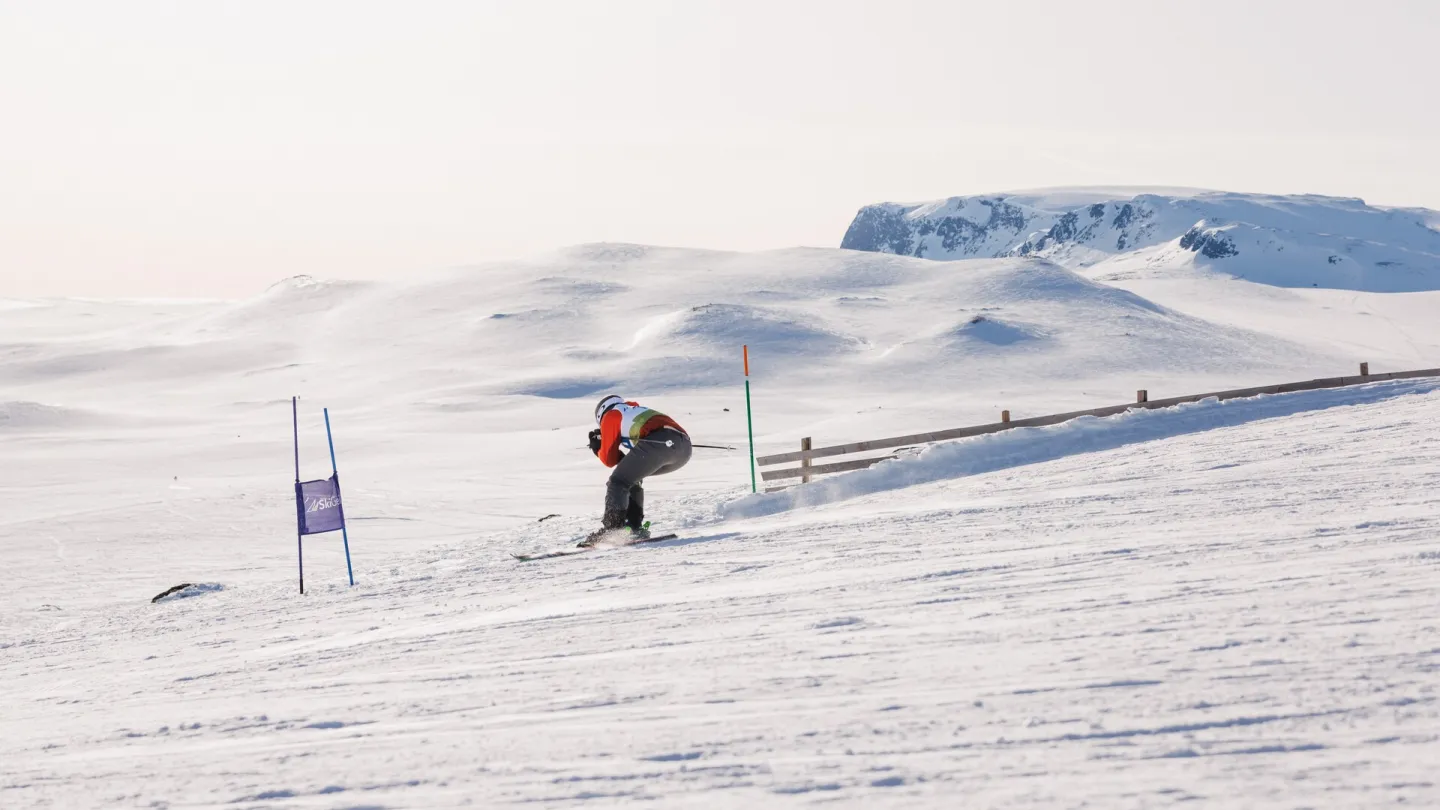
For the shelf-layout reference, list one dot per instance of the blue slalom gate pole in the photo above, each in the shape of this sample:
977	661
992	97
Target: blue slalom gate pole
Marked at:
344	532
749	421
299	501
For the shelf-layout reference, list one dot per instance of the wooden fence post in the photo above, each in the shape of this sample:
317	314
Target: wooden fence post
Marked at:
809	454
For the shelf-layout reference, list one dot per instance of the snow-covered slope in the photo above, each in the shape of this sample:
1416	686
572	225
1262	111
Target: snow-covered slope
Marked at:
1244	615
442	380
1213	602
1289	241
593	318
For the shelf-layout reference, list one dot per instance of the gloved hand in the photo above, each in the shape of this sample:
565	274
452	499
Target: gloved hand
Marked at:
595	442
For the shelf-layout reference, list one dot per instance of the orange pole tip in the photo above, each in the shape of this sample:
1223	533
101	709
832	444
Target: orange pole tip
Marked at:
747	360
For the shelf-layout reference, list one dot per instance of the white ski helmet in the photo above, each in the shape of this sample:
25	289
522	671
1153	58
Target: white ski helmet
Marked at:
606	404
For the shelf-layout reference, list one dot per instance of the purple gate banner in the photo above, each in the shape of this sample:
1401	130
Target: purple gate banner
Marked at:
320	509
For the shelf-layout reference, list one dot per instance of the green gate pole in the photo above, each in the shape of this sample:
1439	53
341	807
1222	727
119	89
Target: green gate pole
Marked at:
749	421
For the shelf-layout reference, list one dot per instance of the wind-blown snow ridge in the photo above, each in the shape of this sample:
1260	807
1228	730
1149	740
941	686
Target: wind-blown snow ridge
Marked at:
1086	434
1290	241
576	323
17	416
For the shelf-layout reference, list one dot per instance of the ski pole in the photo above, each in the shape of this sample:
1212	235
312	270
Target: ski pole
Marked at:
697	446
668	442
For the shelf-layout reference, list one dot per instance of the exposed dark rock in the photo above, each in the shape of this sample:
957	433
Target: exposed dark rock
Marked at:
1209	243
885	229
1123	218
893	229
880	229
1005	215
954	232
1065	229
1075	231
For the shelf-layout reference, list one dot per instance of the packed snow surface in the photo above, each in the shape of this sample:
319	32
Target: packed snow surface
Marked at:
1236	603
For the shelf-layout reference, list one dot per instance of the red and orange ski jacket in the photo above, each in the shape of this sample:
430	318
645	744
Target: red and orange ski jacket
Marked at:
623	425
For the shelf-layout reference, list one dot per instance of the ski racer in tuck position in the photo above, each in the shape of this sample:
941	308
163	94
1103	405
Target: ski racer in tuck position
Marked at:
637	442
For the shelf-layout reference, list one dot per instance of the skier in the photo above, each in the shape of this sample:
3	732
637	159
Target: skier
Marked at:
654	444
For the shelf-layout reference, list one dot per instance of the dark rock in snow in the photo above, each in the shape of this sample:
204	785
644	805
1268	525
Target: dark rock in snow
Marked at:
1209	243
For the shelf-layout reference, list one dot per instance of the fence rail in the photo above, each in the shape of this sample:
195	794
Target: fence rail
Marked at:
807	454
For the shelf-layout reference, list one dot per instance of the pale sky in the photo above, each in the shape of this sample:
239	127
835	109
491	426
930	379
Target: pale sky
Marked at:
196	148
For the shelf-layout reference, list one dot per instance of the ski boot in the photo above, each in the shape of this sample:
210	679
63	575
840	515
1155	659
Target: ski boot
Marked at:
616	537
612	528
635	516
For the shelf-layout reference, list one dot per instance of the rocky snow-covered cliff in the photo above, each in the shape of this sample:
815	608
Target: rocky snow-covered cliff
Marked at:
1299	240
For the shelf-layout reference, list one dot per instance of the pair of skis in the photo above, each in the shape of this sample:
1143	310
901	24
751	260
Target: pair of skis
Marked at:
567	552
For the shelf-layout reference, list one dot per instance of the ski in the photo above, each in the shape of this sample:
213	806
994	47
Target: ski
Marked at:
567	552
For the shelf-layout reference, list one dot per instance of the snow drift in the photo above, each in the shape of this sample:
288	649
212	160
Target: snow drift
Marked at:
19	416
1086	434
598	317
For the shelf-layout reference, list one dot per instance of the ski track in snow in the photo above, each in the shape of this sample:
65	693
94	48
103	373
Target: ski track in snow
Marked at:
1246	616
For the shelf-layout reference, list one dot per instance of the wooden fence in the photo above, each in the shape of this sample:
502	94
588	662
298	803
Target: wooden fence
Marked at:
807	469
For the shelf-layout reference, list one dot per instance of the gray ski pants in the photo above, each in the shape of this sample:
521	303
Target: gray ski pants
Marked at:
664	451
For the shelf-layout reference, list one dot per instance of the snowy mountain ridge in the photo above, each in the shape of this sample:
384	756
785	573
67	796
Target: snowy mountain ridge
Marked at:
1283	240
